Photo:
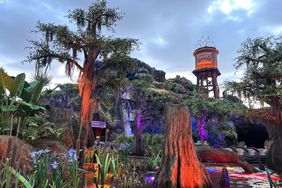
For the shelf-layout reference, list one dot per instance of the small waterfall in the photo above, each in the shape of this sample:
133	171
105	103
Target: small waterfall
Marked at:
128	116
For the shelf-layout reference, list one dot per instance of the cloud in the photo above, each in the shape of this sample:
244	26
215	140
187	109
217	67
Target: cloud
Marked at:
168	30
229	6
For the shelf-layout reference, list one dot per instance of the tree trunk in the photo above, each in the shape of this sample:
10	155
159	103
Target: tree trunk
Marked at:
85	111
18	128
274	159
217	155
180	166
273	123
87	86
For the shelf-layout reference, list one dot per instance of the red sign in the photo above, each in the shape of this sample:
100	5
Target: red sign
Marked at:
204	56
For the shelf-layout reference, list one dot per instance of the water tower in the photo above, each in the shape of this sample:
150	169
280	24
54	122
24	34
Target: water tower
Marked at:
206	68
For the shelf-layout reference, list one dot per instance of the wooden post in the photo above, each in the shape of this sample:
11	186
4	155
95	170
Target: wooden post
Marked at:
215	86
180	166
198	82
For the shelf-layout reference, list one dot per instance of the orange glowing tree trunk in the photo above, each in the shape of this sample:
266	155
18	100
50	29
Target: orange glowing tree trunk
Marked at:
87	84
180	166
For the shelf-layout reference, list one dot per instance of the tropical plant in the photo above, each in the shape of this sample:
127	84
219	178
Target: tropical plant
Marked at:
89	154
55	170
154	160
38	127
99	52
124	150
20	99
105	165
6	177
153	143
132	179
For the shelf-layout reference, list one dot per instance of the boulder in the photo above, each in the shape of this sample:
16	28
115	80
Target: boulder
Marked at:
179	89
159	75
54	145
160	85
17	149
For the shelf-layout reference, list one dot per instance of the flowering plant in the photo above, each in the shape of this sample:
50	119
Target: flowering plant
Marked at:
55	169
124	150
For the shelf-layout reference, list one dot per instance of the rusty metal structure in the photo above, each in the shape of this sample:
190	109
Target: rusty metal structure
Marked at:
206	68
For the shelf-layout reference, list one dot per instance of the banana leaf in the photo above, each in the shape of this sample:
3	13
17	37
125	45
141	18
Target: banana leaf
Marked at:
20	79
30	105
6	82
33	91
8	108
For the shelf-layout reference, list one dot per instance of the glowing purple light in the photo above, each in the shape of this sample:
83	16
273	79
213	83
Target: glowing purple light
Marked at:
149	179
138	120
202	124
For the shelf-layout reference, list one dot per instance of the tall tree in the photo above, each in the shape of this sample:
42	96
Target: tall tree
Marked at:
86	48
262	81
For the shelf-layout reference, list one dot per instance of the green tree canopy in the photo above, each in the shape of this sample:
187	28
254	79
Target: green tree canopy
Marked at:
86	48
221	109
262	60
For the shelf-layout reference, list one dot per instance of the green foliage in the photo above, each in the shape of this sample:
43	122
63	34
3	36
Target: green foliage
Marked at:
222	109
7	83
68	87
132	179
219	111
20	100
54	170
124	146
154	160
221	134
37	127
142	83
20	178
187	84
103	168
262	77
108	161
49	170
160	96
63	44
153	143
122	139
105	59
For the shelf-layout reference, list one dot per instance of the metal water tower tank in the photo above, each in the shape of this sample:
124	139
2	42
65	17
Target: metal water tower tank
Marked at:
206	70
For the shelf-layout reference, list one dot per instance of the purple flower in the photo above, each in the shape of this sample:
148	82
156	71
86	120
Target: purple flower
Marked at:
54	165
71	155
124	146
36	154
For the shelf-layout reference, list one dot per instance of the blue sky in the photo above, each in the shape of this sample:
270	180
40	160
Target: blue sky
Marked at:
168	30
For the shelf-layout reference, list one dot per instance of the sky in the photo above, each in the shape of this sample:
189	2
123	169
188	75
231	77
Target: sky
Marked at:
168	30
